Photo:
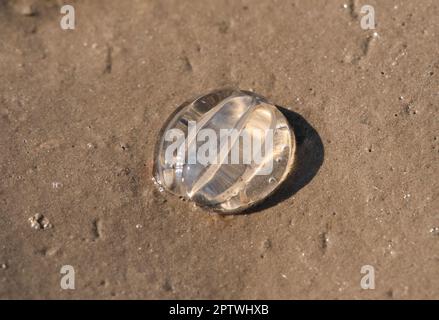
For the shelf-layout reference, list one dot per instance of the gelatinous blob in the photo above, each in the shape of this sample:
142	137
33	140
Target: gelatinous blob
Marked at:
226	150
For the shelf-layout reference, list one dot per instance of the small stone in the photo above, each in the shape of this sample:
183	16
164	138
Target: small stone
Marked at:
4	266
38	221
26	9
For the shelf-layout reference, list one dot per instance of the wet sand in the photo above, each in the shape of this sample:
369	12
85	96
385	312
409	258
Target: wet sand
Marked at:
80	111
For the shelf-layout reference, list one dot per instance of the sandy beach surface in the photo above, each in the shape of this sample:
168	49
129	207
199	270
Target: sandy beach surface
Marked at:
80	111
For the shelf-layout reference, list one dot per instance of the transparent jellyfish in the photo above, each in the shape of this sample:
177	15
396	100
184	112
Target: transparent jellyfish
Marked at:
226	150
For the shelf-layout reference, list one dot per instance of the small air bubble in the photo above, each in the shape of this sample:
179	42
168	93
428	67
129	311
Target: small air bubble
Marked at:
272	180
